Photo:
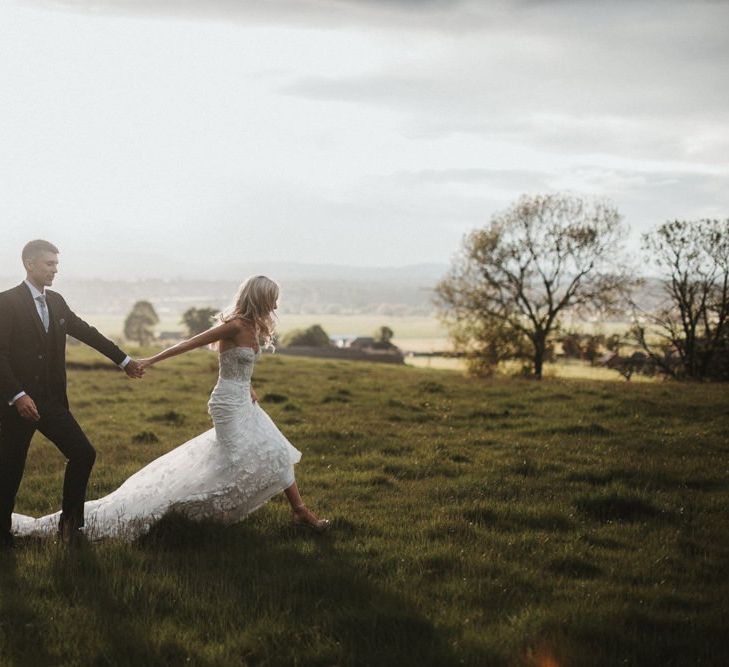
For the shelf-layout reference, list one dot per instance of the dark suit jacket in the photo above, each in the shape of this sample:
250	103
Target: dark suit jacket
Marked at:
27	362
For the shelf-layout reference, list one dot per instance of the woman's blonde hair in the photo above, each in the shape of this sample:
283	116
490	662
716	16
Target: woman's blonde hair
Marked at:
255	303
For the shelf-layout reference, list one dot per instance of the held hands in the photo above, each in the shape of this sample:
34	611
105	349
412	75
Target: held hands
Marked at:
134	369
27	409
254	396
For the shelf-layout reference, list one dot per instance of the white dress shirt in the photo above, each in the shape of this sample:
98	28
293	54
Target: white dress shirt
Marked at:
35	293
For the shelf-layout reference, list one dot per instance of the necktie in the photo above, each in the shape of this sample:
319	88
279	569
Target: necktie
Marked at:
41	299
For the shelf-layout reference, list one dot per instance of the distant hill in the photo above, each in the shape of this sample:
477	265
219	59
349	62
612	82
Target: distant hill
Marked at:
306	289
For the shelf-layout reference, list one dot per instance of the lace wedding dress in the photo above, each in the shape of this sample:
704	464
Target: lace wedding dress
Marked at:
225	473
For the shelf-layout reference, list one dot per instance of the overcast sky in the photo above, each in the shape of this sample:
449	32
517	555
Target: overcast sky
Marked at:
162	138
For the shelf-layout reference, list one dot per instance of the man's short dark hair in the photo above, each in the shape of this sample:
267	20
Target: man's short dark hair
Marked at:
34	248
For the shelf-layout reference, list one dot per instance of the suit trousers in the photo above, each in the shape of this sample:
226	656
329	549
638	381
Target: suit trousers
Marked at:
59	426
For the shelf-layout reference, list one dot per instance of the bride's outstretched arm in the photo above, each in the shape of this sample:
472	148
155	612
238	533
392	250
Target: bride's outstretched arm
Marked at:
224	330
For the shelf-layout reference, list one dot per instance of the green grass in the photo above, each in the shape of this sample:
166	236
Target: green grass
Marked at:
502	522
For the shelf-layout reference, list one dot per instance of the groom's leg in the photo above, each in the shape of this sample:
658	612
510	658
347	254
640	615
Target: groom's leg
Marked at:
60	427
15	436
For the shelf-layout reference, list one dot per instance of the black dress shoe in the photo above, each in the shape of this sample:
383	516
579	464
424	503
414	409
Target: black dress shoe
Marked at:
7	543
69	534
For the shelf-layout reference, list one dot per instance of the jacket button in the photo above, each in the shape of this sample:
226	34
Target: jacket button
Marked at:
40	356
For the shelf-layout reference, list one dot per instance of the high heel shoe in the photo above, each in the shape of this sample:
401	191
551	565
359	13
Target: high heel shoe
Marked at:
317	525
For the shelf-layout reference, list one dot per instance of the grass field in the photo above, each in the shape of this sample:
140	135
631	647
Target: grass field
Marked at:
502	522
563	369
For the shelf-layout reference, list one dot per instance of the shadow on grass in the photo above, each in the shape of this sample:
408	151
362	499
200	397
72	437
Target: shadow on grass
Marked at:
577	568
211	594
638	638
335	614
648	479
85	580
518	520
20	625
607	507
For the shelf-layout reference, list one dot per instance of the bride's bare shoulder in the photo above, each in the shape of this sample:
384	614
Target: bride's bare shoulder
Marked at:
245	331
242	324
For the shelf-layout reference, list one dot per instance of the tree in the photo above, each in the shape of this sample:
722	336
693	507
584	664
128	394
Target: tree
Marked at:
591	348
638	362
614	342
138	324
691	329
383	338
198	320
512	279
314	336
384	335
572	345
584	346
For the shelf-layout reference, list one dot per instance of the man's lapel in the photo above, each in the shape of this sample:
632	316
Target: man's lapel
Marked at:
27	298
58	325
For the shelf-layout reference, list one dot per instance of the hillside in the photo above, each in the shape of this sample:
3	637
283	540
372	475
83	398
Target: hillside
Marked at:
482	523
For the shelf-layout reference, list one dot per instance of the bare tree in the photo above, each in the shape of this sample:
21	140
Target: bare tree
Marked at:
691	328
513	278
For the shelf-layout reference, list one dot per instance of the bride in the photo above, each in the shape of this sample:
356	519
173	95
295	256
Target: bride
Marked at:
225	473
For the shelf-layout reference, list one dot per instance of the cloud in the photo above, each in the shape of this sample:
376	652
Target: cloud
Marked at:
645	197
457	15
642	17
389	128
621	77
579	78
499	183
650	197
561	77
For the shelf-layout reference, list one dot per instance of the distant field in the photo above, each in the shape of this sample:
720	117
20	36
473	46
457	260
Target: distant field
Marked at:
501	523
412	333
416	334
407	329
571	369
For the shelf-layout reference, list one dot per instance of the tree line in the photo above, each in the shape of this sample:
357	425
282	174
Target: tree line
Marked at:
512	281
141	320
547	255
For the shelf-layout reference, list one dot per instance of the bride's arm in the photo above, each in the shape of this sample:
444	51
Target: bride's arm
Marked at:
224	330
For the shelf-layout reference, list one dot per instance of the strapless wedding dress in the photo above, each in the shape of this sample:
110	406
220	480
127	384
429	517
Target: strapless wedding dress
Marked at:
223	474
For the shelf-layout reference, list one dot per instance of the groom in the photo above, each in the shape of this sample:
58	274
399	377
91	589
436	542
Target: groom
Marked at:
34	323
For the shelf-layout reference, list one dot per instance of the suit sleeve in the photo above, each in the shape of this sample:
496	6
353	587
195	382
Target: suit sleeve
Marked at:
77	328
9	385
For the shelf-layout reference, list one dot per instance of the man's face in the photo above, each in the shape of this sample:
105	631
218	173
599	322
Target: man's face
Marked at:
42	268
